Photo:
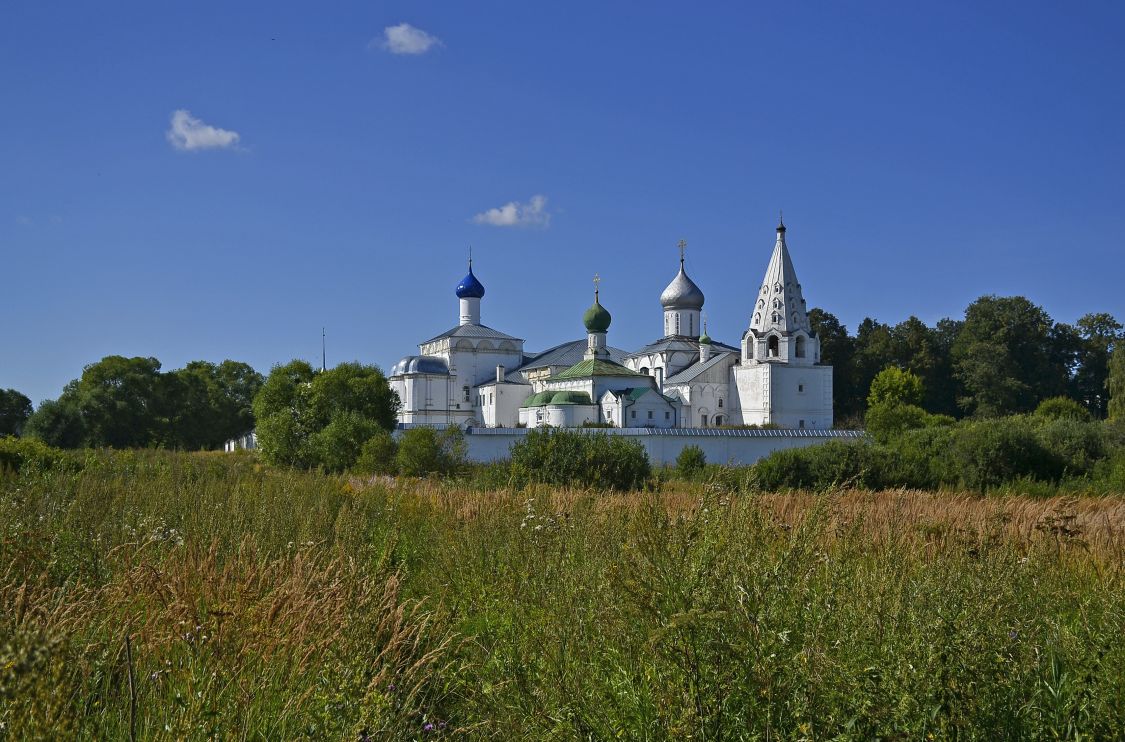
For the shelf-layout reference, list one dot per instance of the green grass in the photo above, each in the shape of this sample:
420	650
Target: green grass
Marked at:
262	603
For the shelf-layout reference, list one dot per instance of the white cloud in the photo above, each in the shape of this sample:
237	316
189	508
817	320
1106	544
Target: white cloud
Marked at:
405	39
514	214
189	133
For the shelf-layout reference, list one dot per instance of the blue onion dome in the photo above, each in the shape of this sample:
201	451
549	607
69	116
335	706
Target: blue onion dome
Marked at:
597	317
682	293
470	287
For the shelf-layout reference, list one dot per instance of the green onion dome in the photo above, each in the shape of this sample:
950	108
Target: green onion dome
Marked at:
704	339
596	318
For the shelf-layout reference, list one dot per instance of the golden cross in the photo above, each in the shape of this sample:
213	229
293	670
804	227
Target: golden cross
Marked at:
597	280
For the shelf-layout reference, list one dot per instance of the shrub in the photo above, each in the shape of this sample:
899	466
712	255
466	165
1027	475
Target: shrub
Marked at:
337	445
28	454
821	467
427	450
989	453
377	455
690	462
921	459
888	420
1063	408
1073	444
588	459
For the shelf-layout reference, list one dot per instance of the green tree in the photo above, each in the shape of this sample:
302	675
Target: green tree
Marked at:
1115	383
1005	357
892	385
57	423
837	349
211	403
117	402
874	351
1098	334
311	419
15	409
925	351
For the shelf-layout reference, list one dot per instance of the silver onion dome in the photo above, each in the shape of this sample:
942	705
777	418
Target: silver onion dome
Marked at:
682	293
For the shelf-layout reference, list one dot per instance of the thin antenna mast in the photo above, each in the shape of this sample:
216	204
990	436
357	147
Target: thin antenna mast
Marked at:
323	354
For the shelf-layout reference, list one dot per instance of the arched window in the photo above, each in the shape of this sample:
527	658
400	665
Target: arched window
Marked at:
718	420
720	401
703	421
774	347
800	346
644	370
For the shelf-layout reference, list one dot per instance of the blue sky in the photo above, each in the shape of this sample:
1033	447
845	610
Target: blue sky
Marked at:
924	156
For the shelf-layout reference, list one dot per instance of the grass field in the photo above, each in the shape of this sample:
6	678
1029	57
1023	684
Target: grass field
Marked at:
173	596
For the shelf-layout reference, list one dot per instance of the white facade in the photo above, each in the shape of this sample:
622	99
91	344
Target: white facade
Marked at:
473	375
779	380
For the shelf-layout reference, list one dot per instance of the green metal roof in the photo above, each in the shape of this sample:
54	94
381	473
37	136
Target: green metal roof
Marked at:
538	400
555	397
569	397
595	367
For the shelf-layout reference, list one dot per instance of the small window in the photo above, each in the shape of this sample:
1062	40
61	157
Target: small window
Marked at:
650	414
634	415
703	421
465	393
490	397
720	401
773	346
800	343
801	387
801	424
667	415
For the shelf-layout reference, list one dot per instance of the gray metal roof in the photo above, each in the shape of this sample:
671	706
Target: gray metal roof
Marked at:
420	365
472	331
679	343
565	354
693	371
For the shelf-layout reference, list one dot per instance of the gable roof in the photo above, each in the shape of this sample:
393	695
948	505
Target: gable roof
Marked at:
472	331
566	354
677	343
697	369
595	367
635	393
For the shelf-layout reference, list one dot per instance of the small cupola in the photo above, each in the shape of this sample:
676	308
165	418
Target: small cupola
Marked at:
469	293
596	319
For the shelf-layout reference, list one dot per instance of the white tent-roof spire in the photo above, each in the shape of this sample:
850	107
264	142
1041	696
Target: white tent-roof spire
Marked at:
780	305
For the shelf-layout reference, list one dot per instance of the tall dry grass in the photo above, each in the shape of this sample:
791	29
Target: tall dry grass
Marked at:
262	603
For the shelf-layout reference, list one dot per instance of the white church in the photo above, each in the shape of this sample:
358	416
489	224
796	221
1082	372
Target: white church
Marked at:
475	376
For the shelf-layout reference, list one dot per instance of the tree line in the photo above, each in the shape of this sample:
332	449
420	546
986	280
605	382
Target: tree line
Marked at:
1005	357
130	403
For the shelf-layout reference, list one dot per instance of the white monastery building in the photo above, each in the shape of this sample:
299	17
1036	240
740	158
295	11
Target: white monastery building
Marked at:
475	376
